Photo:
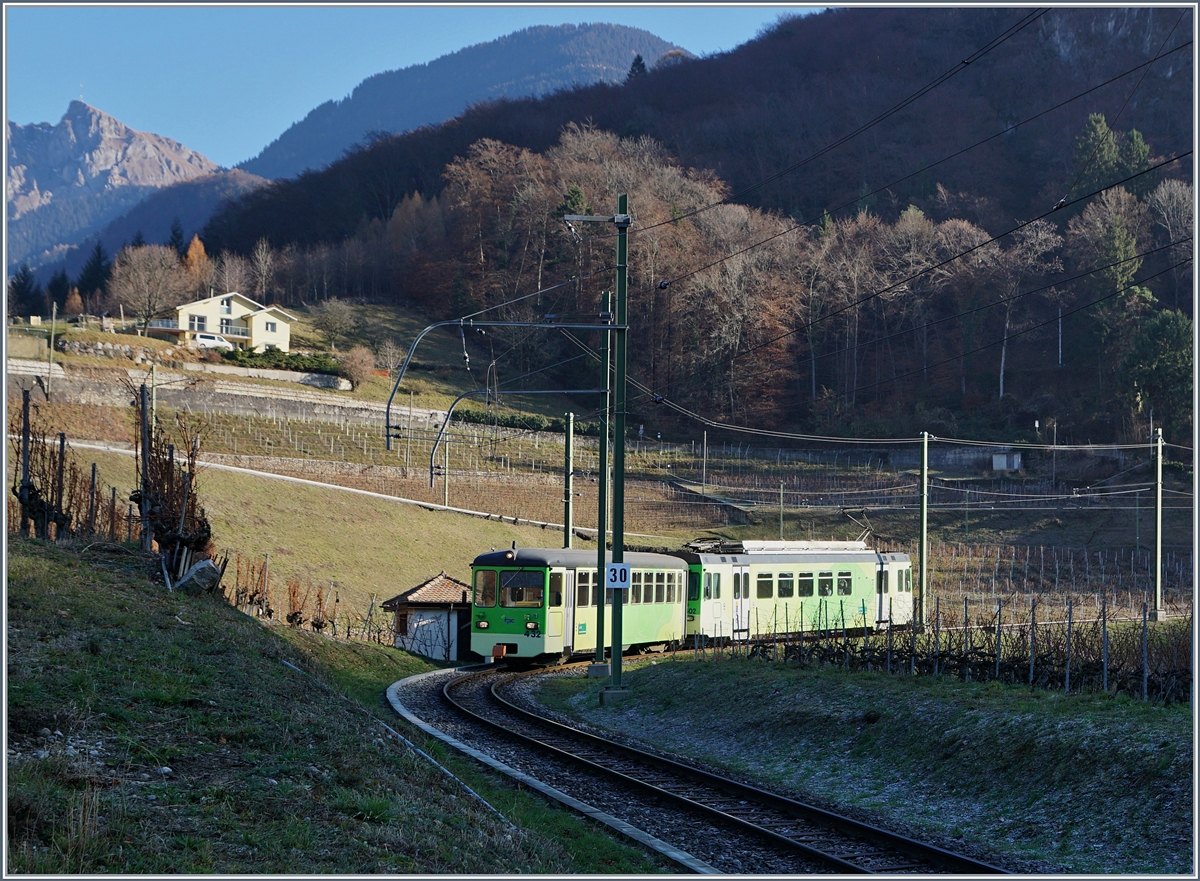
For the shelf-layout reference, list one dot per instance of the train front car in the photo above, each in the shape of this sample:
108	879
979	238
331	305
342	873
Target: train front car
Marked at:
747	590
542	604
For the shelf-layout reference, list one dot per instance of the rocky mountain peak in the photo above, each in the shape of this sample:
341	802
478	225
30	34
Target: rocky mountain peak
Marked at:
90	152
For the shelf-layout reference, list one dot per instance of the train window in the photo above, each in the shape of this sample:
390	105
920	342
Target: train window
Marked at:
693	586
737	585
825	584
660	587
671	587
804	584
556	590
885	581
608	592
845	581
485	587
716	586
582	589
522	588
908	580
786	585
766	585
635	587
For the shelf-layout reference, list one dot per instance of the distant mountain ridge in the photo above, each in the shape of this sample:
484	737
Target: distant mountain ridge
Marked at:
530	62
68	180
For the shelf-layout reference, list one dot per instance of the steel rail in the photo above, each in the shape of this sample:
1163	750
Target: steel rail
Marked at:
862	847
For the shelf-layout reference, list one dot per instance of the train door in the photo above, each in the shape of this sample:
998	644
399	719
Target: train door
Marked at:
718	605
568	609
902	599
713	618
741	602
556	602
883	595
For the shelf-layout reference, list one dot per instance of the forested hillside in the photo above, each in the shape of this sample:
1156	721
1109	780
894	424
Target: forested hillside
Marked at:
810	250
806	85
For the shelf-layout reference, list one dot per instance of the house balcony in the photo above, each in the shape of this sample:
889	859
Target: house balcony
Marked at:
234	331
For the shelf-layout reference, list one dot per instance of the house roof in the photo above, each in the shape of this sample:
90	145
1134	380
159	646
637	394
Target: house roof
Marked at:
253	304
441	590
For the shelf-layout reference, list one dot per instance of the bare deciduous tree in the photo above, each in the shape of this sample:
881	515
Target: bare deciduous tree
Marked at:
232	273
390	355
1172	212
262	267
148	280
1032	254
335	318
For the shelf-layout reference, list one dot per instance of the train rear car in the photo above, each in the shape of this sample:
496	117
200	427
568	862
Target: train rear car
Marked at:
749	589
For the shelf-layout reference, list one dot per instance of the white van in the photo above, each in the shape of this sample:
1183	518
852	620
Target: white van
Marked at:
212	341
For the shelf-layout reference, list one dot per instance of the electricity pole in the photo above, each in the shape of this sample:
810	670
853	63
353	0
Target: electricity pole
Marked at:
923	548
599	668
1159	613
568	483
621	221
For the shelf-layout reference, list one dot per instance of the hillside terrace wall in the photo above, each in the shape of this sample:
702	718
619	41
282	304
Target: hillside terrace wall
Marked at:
202	394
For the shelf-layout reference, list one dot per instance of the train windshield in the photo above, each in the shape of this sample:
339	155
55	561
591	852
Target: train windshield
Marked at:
485	588
522	589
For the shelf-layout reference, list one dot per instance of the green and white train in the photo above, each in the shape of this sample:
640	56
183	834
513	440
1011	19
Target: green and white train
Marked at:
542	604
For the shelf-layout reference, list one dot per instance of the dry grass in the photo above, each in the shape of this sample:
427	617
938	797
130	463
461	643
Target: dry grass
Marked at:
1050	783
153	733
367	547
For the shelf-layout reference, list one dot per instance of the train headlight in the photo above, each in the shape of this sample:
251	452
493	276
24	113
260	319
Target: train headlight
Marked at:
482	625
531	625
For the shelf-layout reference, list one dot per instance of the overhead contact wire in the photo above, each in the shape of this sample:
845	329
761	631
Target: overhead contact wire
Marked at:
1029	19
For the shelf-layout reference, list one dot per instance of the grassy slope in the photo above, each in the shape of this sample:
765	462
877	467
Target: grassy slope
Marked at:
367	545
179	742
1078	784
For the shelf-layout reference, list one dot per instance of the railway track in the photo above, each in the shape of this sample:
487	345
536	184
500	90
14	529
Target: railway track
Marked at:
773	833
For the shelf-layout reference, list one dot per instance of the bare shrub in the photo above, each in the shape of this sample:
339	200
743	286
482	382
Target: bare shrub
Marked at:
357	365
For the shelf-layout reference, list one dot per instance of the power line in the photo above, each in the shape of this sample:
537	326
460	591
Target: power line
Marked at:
1026	330
957	256
1005	131
765	432
994	43
990	305
1128	98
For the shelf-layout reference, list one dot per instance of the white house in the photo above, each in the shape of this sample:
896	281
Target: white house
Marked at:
244	322
434	618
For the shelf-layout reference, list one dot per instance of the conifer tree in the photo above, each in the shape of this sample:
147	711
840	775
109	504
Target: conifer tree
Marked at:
637	69
24	292
1135	157
93	278
176	239
57	288
1097	158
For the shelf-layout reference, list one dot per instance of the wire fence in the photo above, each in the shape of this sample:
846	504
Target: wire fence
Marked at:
247	587
64	497
1016	644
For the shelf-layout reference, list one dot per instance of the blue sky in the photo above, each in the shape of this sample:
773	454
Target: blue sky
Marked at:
227	80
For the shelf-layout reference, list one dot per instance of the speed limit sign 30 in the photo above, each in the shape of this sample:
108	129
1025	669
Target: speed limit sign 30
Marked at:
616	576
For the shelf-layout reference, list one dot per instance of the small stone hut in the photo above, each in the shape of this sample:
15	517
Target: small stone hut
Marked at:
434	618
